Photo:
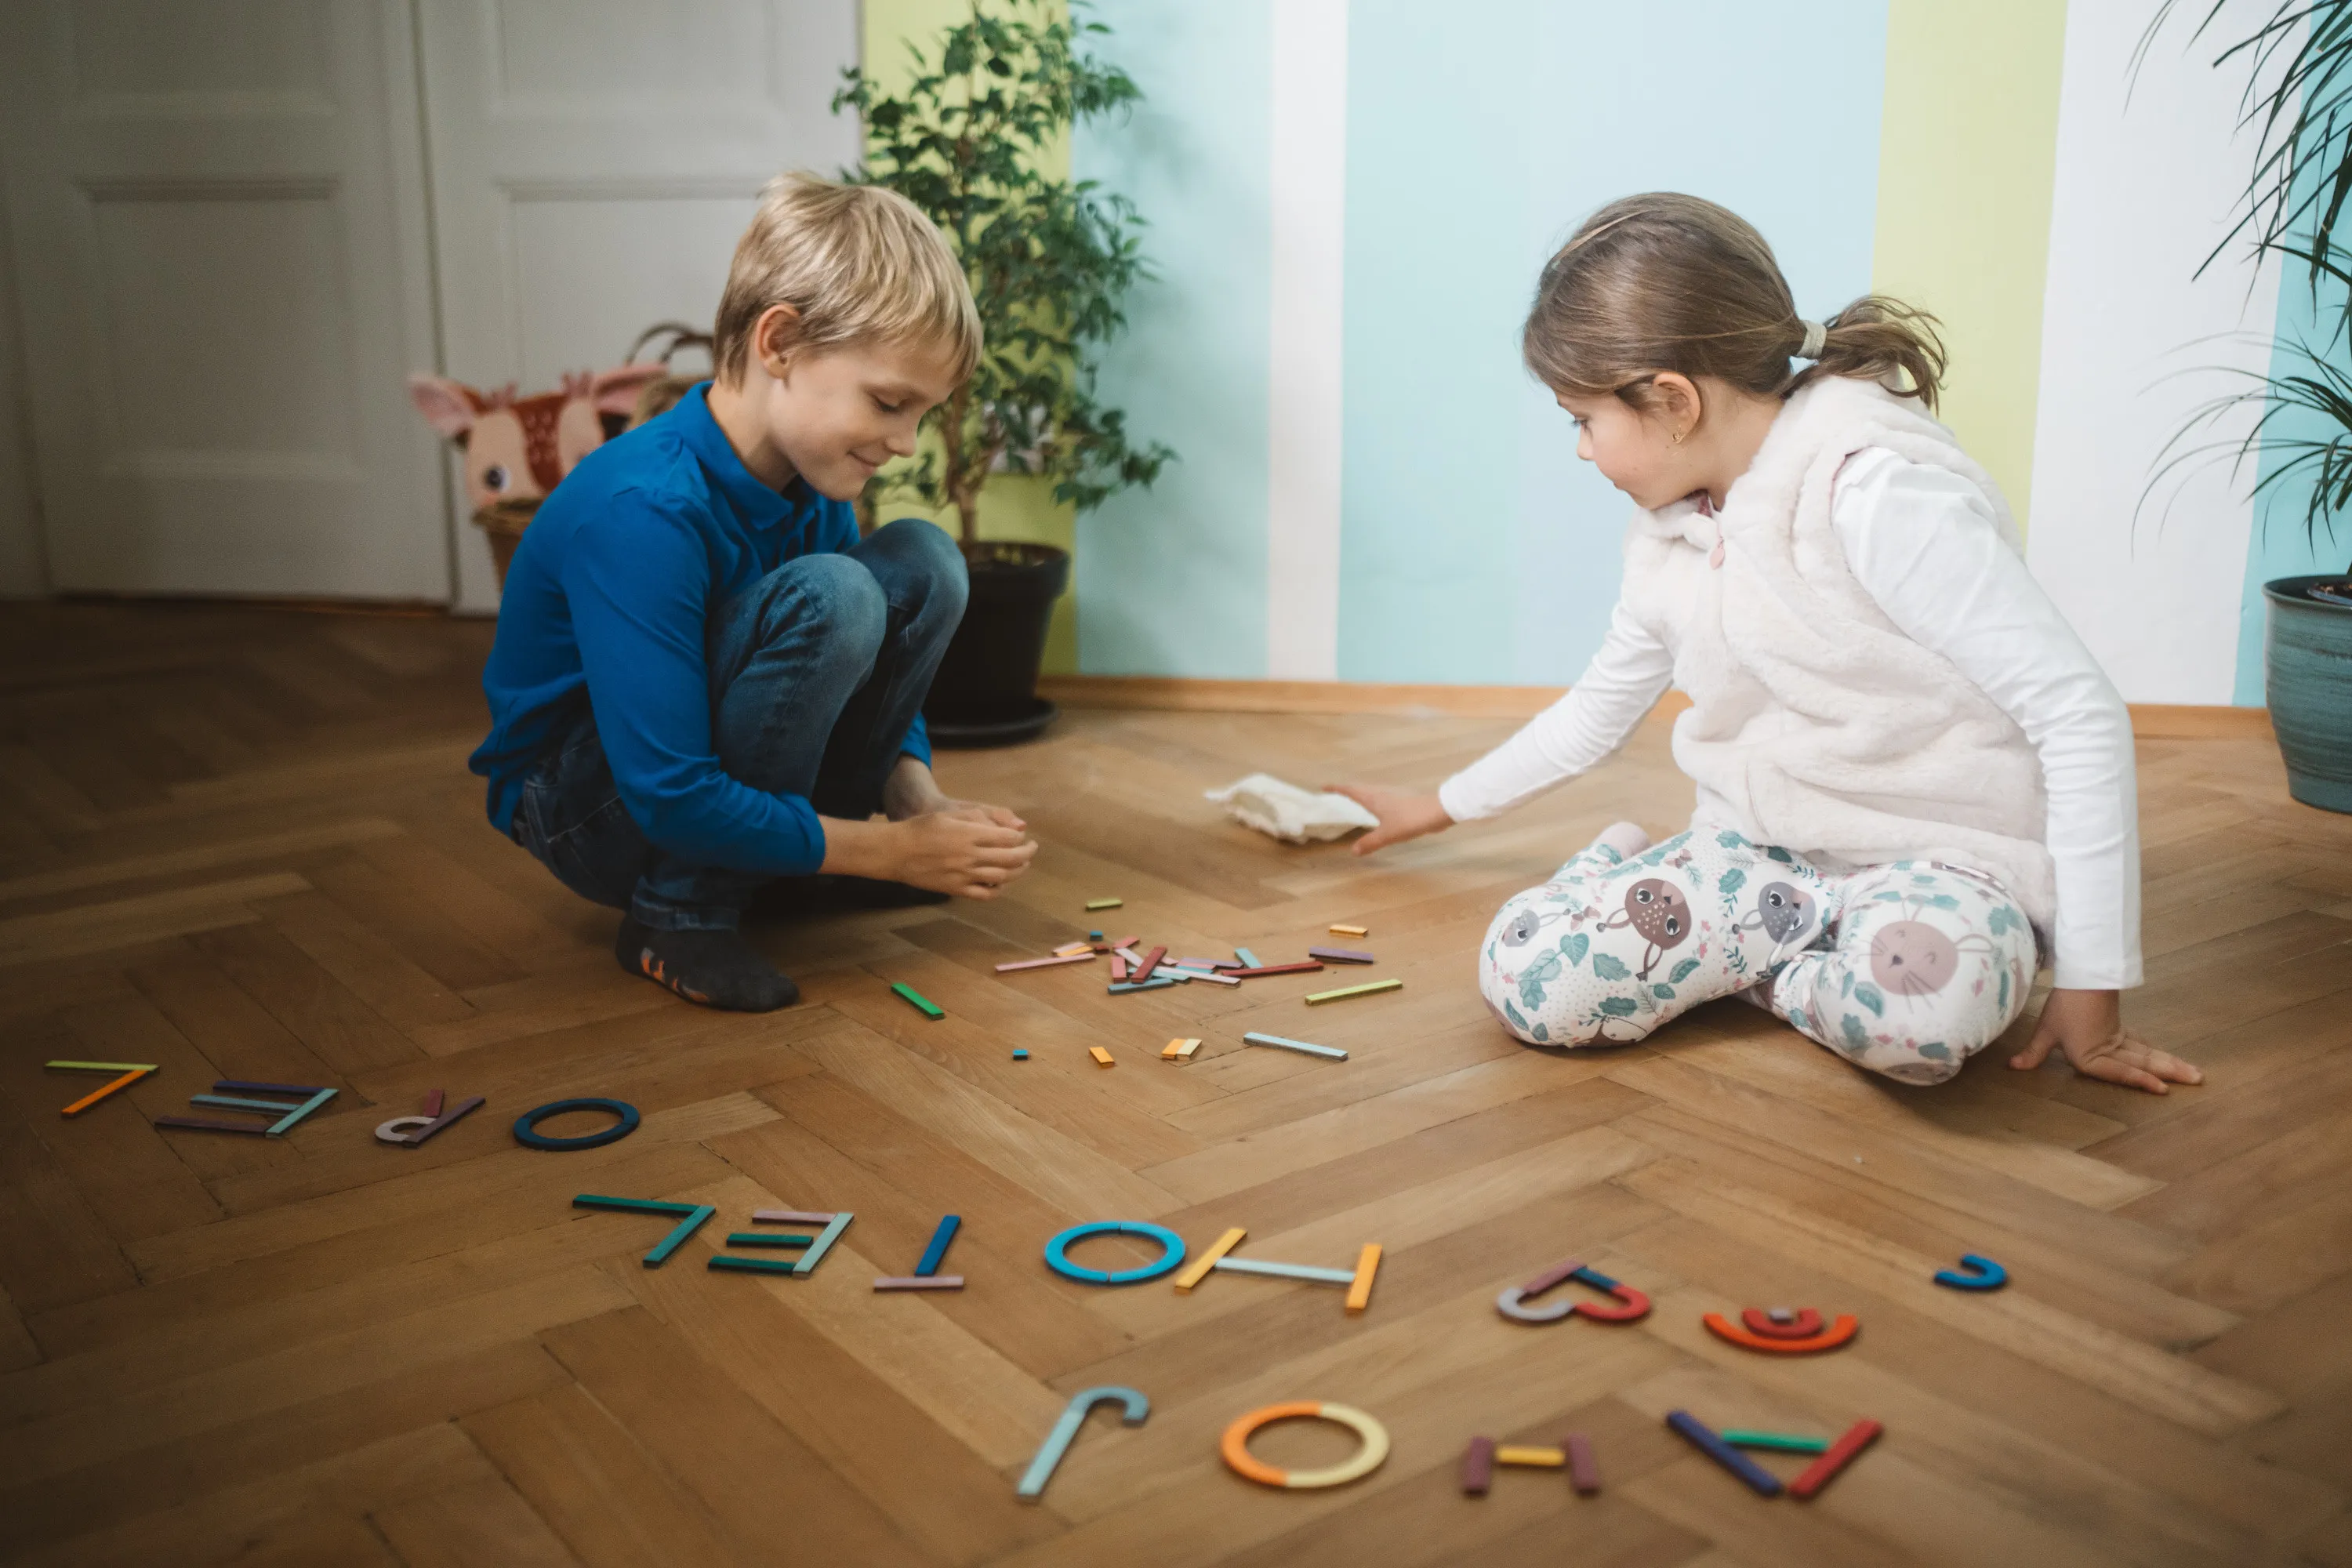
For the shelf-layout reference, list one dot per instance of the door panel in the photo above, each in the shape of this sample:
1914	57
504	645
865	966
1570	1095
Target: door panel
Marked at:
593	162
216	216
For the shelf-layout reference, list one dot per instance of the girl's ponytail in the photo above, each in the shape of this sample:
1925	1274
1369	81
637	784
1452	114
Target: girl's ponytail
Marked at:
1882	340
1666	282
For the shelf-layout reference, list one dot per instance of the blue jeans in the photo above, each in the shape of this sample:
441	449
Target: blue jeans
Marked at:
816	670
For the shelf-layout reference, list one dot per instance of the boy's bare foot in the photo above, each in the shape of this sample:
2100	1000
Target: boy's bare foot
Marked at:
714	968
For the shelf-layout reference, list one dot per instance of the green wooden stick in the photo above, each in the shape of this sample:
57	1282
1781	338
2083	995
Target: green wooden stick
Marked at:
1782	1442
931	1009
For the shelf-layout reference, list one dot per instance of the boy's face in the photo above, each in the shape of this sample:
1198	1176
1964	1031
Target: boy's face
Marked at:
839	415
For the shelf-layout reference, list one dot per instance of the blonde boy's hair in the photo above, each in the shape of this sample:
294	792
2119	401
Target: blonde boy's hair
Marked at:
861	265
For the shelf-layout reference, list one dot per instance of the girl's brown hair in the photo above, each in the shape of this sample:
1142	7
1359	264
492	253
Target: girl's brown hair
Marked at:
1665	282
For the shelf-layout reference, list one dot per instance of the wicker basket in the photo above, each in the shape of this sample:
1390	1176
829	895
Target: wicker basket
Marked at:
504	522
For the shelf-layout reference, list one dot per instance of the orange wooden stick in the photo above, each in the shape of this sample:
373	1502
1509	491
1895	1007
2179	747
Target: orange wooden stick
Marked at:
87	1100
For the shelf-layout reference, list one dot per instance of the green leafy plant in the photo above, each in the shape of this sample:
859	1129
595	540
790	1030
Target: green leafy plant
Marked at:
970	141
2297	58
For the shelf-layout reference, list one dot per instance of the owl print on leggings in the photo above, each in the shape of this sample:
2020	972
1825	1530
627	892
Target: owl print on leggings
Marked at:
1659	913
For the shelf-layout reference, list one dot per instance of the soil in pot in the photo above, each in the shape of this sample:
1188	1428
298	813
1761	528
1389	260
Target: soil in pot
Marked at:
2307	660
985	693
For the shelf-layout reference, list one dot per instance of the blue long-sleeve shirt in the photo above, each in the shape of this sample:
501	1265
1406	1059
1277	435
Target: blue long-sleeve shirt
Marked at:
606	602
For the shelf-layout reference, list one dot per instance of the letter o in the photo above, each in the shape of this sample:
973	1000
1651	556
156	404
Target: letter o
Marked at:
1237	1457
1172	1245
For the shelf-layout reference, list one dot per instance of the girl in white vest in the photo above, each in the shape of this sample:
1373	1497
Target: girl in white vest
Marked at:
1915	784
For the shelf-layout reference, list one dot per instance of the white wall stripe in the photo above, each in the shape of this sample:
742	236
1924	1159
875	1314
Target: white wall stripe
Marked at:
1308	138
2147	173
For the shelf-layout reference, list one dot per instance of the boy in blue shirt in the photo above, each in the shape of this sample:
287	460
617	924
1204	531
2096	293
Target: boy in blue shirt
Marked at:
703	679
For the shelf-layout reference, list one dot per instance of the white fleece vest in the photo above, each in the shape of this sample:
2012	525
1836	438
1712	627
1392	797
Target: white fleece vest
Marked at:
1815	723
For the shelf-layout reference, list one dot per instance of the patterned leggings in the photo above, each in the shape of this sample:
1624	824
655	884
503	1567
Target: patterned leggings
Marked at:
1907	969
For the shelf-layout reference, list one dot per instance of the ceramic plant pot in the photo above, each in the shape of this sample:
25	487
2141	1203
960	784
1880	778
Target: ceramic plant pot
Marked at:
986	692
2307	669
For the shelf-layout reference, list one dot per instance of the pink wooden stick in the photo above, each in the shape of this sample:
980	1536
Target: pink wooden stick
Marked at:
1047	962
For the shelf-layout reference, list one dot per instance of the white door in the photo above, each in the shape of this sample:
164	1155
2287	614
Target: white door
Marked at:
217	218
593	162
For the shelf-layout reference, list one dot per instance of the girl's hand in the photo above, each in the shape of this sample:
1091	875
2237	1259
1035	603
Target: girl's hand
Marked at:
2089	1026
1403	814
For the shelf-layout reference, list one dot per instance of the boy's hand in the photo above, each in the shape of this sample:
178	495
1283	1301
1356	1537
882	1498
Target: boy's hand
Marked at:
2089	1026
961	852
968	852
1403	815
911	791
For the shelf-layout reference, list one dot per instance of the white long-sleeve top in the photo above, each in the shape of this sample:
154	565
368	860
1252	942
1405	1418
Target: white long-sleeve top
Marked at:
1924	543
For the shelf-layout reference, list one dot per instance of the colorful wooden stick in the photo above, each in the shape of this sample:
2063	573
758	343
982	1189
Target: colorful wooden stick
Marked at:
1823	1470
1583	1473
1778	1442
822	1243
1333	1052
928	1008
1341	955
132	1072
1700	1436
936	1253
1085	957
1135	1408
1372	987
1478	1466
695	1214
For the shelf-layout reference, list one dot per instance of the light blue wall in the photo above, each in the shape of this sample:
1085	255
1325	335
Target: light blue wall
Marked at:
1172	581
1477	548
1474	547
2280	545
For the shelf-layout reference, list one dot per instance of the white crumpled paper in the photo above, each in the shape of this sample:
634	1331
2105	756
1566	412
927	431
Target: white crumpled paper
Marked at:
1286	811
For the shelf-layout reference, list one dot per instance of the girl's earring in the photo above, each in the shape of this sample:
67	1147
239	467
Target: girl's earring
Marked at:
1678	438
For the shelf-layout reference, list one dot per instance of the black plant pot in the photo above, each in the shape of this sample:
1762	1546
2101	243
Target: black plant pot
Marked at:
986	692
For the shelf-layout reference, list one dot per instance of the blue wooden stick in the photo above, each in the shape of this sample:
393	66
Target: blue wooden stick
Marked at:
1074	1416
938	1250
1702	1437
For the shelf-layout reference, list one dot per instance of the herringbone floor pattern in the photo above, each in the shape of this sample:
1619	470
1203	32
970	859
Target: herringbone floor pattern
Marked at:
243	844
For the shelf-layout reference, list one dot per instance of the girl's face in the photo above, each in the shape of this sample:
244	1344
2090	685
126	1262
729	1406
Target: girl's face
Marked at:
1634	451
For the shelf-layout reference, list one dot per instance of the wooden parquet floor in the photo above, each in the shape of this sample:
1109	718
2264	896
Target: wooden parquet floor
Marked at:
243	844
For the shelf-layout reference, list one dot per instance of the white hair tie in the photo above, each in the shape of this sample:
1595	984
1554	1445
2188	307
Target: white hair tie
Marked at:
1817	337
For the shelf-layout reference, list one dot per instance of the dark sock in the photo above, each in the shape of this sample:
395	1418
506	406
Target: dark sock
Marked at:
715	968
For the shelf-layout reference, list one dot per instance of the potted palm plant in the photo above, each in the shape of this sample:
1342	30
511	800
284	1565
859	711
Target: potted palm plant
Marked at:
971	140
2298	59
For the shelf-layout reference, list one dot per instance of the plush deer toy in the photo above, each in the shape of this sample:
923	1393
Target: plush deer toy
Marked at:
517	448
